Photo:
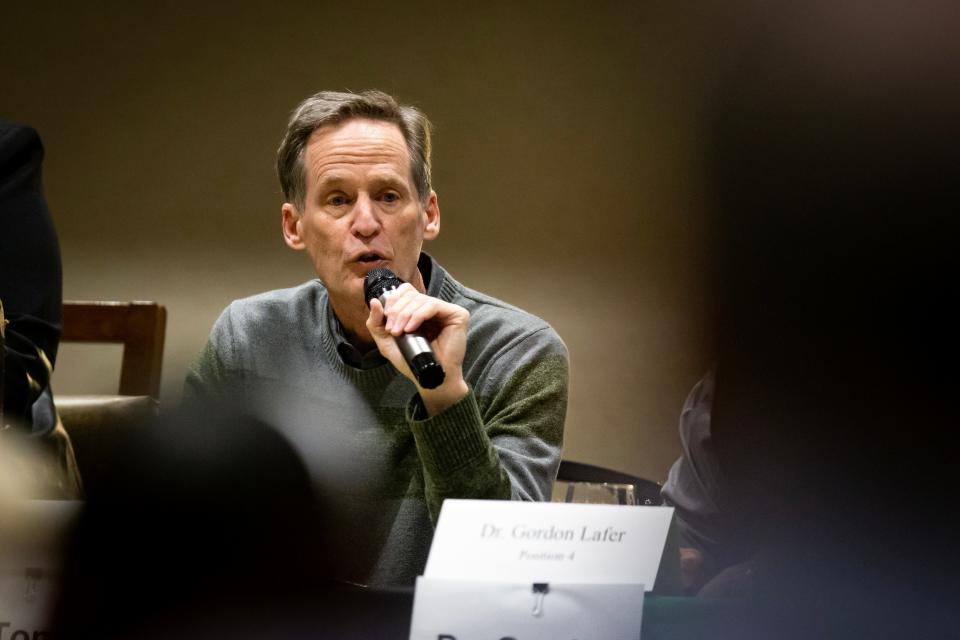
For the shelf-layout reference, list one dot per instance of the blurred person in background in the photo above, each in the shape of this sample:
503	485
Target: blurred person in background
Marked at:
816	465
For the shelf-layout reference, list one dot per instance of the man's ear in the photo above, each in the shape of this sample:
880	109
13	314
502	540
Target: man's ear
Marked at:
431	224
290	223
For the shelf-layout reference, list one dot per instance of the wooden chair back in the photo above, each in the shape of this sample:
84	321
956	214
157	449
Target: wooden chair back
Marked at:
139	326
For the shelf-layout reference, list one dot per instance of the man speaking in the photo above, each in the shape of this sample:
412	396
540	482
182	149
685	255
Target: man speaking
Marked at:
325	367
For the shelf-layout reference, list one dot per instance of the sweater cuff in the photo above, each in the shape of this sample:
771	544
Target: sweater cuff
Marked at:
451	440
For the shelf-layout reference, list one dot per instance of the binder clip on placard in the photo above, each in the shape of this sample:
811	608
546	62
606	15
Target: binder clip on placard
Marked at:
540	589
495	564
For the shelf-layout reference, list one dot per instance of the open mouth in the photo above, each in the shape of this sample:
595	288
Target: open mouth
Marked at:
370	257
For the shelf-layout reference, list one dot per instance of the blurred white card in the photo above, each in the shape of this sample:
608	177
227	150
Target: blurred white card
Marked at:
526	542
32	535
459	610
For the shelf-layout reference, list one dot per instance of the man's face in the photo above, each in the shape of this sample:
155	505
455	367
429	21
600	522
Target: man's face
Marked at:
362	210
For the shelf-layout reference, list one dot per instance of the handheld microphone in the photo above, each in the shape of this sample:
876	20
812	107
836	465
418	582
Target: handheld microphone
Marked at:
380	284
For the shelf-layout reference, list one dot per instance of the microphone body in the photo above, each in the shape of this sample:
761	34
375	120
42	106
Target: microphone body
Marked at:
380	284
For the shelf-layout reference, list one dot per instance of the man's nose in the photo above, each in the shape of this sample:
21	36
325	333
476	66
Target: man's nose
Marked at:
366	222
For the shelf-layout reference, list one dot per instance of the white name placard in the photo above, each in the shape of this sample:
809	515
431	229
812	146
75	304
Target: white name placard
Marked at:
31	542
458	610
527	542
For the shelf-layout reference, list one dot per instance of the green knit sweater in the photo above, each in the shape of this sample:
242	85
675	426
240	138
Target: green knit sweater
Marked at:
381	472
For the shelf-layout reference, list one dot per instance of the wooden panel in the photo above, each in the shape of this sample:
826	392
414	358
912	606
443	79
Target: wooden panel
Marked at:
139	326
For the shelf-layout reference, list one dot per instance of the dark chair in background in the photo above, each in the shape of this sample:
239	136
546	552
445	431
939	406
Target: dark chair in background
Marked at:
647	491
98	424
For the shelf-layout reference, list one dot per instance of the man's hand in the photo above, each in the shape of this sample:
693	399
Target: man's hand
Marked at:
442	323
691	570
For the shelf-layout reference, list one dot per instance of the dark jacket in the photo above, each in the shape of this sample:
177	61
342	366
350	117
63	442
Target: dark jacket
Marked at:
30	280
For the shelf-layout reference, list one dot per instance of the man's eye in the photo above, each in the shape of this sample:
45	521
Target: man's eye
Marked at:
390	197
337	201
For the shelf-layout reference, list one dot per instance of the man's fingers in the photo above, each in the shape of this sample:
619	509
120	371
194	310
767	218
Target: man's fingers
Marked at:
421	314
406	310
375	319
396	306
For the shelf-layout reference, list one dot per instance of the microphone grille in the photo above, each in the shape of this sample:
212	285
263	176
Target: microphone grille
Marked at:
378	281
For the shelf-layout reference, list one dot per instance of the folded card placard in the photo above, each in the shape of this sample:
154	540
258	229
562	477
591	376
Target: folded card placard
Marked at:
459	610
526	542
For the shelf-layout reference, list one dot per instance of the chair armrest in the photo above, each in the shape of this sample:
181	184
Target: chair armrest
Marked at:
97	426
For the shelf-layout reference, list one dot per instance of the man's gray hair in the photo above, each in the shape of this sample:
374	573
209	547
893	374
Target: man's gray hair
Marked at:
328	108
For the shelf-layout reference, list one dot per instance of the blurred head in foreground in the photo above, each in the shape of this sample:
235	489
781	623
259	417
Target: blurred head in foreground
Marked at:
833	156
208	522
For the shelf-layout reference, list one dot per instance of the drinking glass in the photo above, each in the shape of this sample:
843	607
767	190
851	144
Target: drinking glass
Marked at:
596	493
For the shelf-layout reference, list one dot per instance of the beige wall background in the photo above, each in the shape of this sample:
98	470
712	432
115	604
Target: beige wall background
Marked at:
564	160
